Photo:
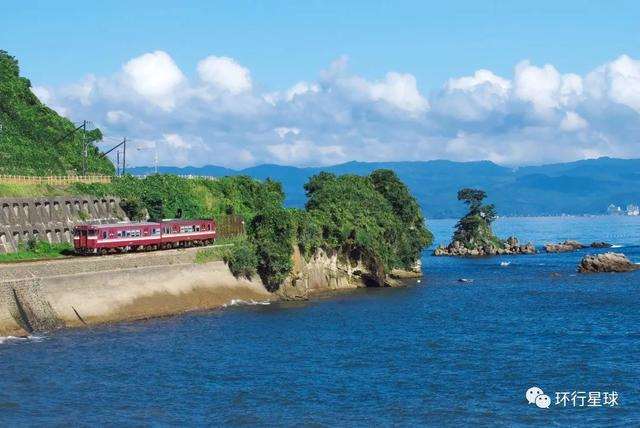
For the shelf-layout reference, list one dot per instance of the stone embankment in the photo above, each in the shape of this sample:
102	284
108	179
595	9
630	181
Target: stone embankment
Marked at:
51	219
509	246
75	292
607	262
80	291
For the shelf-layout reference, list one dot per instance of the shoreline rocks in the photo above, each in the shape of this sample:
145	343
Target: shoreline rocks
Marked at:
510	246
570	245
563	247
607	262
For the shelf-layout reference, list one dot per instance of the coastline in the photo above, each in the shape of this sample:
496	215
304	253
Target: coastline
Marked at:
79	292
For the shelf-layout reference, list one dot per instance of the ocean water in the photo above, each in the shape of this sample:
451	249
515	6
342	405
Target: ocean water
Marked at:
438	353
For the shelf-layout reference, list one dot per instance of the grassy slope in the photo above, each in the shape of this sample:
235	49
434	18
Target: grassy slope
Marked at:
35	140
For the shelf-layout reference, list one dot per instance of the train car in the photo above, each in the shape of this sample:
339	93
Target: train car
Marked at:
185	233
102	238
142	236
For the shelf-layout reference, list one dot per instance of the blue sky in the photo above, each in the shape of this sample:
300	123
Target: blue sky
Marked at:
280	44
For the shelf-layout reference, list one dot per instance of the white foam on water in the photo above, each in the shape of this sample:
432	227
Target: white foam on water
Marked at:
240	302
8	339
617	246
505	263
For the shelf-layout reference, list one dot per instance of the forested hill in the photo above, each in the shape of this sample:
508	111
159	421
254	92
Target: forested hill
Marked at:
34	139
583	187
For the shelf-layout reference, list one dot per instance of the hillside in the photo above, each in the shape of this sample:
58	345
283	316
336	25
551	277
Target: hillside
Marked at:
34	139
582	187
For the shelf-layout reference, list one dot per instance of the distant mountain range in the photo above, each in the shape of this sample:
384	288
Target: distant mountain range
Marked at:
582	187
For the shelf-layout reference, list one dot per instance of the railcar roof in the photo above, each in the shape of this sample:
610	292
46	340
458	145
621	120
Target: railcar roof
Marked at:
123	224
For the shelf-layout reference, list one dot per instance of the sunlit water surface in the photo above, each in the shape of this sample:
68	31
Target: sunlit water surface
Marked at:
440	353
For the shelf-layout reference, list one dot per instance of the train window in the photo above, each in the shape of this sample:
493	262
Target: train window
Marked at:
197	228
92	233
156	231
119	234
104	235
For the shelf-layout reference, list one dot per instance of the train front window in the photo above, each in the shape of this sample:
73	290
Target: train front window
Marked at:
92	233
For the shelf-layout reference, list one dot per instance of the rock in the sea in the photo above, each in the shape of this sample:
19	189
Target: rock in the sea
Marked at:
600	245
563	247
509	246
607	262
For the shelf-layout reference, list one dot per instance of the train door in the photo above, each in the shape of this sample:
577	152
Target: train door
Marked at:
83	238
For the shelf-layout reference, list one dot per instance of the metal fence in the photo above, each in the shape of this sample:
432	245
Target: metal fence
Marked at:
54	180
230	226
62	180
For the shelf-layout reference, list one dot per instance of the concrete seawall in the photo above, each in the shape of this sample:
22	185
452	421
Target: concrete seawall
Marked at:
42	296
51	219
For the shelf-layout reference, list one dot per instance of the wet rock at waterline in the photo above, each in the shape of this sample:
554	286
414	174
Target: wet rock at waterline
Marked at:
607	262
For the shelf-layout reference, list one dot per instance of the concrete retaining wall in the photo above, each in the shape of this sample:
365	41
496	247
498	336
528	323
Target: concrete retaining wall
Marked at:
42	296
51	219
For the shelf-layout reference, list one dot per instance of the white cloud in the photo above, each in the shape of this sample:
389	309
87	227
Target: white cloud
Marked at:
282	131
156	77
224	74
538	85
304	151
618	81
396	89
117	116
539	114
43	94
572	121
301	88
175	141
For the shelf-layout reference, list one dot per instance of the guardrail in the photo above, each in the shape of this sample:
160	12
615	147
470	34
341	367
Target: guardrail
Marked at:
188	177
54	180
61	180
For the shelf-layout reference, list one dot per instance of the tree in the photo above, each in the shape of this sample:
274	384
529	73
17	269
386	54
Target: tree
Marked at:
272	234
474	229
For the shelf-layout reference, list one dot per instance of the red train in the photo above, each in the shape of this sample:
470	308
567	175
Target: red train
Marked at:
122	237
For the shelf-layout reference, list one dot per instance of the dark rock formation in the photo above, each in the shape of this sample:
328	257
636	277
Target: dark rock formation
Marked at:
600	245
607	262
563	247
508	246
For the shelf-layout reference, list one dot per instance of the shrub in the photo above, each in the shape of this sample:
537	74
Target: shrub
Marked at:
271	232
241	258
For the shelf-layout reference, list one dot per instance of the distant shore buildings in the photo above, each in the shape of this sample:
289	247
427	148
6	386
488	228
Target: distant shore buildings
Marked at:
631	210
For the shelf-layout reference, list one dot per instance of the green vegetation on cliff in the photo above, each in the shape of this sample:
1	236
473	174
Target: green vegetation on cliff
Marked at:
34	139
374	219
473	230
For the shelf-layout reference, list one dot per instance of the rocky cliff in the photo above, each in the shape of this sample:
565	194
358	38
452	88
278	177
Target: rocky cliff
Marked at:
324	273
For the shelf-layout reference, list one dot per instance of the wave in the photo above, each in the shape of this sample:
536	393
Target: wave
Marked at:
9	339
617	246
505	263
240	302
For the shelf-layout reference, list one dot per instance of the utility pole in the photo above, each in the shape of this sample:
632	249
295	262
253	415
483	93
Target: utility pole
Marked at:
124	155
85	153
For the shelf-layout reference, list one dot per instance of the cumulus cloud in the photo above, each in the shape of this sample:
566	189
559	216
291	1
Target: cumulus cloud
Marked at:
537	114
154	76
224	74
572	122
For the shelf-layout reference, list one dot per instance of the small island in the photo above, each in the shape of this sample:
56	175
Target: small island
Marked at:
473	236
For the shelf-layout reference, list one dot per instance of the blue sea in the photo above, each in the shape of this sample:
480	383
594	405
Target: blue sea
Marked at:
437	353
